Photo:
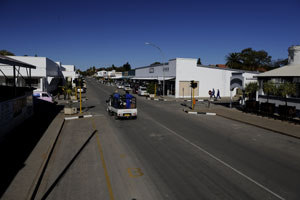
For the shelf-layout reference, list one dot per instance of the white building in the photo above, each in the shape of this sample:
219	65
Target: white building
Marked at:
68	72
102	74
45	77
178	73
288	73
111	73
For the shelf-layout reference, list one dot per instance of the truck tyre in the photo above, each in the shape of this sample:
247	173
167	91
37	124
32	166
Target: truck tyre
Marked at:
116	116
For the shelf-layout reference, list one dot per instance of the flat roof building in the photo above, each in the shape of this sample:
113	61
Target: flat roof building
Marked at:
178	73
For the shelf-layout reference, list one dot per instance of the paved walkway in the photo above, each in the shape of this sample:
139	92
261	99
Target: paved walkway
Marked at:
276	125
26	179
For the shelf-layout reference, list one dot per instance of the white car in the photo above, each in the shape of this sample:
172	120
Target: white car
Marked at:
45	96
82	90
127	88
143	91
120	86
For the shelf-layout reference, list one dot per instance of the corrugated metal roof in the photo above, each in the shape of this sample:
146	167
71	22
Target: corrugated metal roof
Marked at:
285	71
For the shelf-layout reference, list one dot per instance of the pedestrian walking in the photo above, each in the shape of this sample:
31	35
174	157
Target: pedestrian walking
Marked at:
210	93
218	94
213	93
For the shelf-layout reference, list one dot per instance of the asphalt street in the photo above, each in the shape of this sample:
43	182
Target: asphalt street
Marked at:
168	154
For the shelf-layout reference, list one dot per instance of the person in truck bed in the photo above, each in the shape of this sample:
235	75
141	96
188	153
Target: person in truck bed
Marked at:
128	98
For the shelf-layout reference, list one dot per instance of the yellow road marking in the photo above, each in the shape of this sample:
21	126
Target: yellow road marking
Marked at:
122	156
135	172
111	195
93	124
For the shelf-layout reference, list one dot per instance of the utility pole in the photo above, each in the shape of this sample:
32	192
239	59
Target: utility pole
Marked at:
163	62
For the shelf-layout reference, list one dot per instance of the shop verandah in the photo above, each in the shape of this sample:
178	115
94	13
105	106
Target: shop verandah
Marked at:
161	86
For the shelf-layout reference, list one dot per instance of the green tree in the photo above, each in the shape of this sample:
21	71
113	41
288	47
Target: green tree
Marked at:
234	61
254	59
4	52
155	63
287	89
151	88
126	67
279	63
249	59
251	89
269	88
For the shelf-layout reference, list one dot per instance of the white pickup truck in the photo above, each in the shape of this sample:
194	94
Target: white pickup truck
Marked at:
122	107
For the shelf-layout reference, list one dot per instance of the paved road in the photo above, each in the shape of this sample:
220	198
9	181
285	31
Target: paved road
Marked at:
167	154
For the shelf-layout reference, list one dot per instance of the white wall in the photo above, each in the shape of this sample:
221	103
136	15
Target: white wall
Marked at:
156	71
102	73
39	62
249	78
208	77
68	68
52	68
46	70
68	71
69	74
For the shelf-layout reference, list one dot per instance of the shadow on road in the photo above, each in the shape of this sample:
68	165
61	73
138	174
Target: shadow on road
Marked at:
19	143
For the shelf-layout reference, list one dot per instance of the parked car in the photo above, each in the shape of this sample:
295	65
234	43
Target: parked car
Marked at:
45	96
120	86
142	91
127	88
82	90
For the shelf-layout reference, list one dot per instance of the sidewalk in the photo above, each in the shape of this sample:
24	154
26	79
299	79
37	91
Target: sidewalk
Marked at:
171	98
279	126
26	179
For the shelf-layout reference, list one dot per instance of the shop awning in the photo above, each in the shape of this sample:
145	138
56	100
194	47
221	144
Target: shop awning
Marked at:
144	78
116	77
166	78
160	78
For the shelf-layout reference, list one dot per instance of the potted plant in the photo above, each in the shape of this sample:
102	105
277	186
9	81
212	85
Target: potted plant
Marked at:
251	104
68	109
151	89
285	90
268	108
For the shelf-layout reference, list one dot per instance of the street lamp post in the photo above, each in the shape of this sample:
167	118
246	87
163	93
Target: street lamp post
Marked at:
163	58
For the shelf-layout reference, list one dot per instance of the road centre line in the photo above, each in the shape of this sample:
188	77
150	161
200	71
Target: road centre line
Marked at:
222	162
111	195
